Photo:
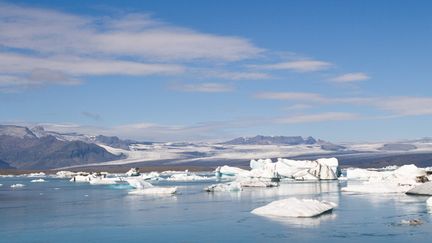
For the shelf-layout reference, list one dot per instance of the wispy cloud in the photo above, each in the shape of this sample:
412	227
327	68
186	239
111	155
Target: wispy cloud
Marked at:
135	35
350	78
319	117
396	105
92	115
202	87
297	66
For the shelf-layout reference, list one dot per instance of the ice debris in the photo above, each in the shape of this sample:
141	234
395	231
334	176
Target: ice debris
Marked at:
293	207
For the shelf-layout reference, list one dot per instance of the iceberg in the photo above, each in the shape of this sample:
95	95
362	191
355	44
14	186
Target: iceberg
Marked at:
39	174
422	189
231	171
293	207
81	177
151	176
429	202
376	188
224	187
104	181
133	172
38	180
1	184
256	182
154	190
65	174
321	169
187	177
17	185
143	187
138	183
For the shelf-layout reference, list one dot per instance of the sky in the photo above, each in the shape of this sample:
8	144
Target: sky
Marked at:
212	70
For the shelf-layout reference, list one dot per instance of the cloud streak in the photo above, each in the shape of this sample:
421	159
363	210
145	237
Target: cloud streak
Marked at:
202	87
350	78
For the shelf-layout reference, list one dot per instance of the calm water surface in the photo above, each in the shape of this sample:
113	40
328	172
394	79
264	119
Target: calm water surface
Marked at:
61	211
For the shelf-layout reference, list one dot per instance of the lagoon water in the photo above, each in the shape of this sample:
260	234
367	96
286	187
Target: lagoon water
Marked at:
62	211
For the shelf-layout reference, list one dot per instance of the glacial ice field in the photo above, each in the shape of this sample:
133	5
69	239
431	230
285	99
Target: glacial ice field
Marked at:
58	210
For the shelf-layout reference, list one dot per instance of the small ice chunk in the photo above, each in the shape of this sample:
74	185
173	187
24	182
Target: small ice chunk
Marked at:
1	184
224	187
154	190
104	181
17	185
38	180
39	174
429	202
138	183
133	172
255	182
293	207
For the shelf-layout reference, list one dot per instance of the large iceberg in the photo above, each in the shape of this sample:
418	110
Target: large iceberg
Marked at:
133	172
400	180
321	169
65	174
293	207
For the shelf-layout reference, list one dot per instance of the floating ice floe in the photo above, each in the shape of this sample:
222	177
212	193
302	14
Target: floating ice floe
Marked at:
133	172
293	207
422	189
1	184
256	182
104	180
38	174
151	176
17	185
400	180
143	187
186	176
154	190
65	174
38	180
231	171
429	202
81	177
321	169
224	187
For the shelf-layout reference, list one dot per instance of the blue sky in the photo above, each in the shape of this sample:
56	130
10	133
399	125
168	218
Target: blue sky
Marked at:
206	70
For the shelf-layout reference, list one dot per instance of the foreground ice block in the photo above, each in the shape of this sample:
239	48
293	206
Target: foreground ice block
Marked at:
422	189
293	207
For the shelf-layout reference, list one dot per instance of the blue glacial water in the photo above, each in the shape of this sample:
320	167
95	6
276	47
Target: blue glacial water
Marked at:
61	211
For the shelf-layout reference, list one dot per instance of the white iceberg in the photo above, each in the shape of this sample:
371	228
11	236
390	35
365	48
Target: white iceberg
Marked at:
151	176
143	187
38	180
400	180
81	177
154	190
184	177
104	181
1	184
65	174
321	169
231	171
422	189
256	182
39	174
376	187
224	187
293	207
17	185
138	183
429	202
133	172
